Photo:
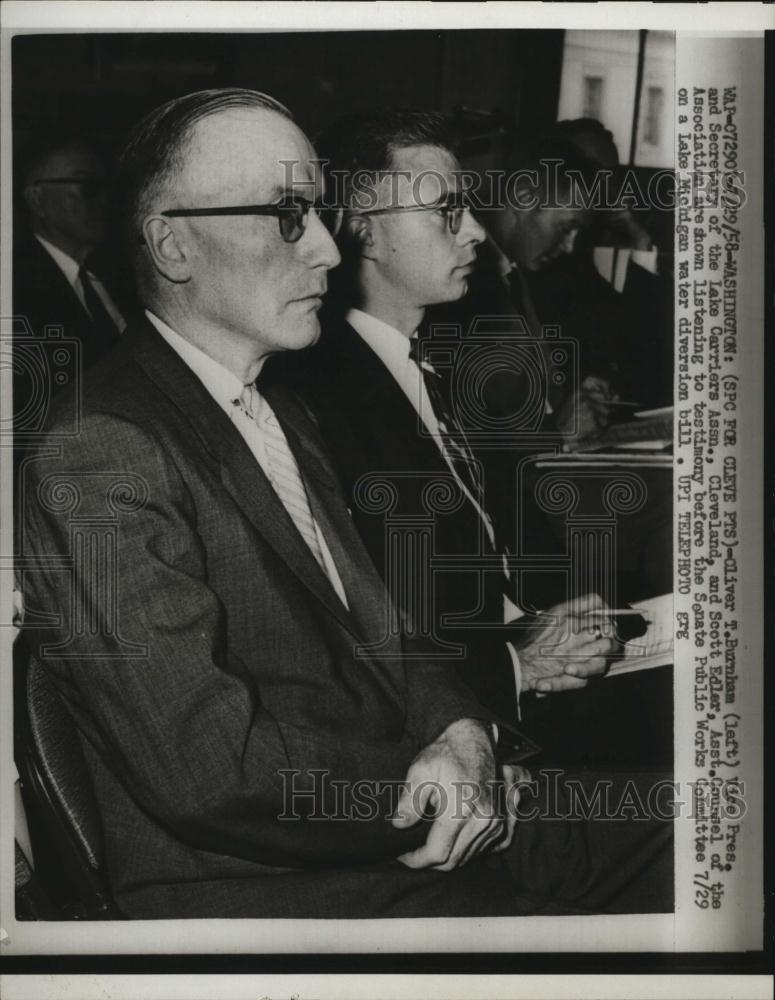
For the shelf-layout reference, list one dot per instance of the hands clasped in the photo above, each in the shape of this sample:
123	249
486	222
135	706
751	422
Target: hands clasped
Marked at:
455	778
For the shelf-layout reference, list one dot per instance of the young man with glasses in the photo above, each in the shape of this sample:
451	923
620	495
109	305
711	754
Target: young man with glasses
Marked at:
408	242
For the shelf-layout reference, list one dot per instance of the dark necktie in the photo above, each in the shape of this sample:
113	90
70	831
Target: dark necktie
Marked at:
497	686
523	301
103	324
452	436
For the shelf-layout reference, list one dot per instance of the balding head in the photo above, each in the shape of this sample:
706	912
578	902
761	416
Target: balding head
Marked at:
230	249
150	164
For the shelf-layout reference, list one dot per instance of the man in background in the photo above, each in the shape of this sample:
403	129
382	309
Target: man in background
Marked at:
538	216
613	293
410	242
65	191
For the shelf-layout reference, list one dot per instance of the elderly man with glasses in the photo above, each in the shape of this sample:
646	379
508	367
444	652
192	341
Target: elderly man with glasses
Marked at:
226	688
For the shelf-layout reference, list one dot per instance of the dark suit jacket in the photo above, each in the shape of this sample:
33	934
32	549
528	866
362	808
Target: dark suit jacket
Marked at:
625	336
212	660
375	437
44	297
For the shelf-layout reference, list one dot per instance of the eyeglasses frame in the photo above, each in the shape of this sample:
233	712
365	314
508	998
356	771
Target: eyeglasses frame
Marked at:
96	183
275	208
439	206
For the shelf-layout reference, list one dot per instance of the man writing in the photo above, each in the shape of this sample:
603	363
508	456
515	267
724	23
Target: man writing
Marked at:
538	221
230	655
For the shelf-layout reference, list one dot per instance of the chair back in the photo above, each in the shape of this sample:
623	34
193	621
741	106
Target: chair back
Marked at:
62	814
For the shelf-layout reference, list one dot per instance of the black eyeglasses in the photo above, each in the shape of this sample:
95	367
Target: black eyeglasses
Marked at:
90	186
452	208
291	213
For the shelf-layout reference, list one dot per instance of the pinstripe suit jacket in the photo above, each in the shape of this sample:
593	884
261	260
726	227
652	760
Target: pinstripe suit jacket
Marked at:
204	655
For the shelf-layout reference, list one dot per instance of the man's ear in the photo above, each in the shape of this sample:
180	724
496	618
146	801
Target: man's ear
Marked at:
167	251
361	234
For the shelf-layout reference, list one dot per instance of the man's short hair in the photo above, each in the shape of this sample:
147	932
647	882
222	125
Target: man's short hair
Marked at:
556	170
155	148
32	154
35	154
591	138
364	144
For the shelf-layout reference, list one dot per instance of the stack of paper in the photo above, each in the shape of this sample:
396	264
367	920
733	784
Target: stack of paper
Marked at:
655	647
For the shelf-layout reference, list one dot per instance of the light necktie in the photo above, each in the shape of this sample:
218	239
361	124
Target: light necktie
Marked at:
283	472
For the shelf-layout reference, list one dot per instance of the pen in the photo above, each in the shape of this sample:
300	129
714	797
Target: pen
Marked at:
615	611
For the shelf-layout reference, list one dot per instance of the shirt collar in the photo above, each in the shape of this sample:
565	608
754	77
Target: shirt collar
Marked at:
69	267
503	265
223	385
390	345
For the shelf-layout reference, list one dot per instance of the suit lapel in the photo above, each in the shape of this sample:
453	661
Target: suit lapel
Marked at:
241	474
365	590
380	393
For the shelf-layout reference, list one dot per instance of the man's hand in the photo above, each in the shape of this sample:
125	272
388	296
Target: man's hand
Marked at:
587	412
563	654
514	776
454	777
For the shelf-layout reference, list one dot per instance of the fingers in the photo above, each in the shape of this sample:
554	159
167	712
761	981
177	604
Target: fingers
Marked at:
477	824
437	848
590	623
453	840
561	682
513	774
579	647
415	800
452	777
583	603
571	674
481	843
570	648
590	667
587	640
580	606
596	384
597	396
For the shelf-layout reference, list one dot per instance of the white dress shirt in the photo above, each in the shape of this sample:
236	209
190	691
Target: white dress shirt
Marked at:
71	270
392	348
225	387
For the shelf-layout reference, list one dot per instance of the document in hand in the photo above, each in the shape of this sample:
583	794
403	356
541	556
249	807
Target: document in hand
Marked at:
655	647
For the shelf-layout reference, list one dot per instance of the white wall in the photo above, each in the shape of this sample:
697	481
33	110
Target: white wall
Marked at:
613	56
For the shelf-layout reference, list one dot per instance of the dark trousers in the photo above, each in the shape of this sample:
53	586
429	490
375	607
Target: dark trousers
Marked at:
556	865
